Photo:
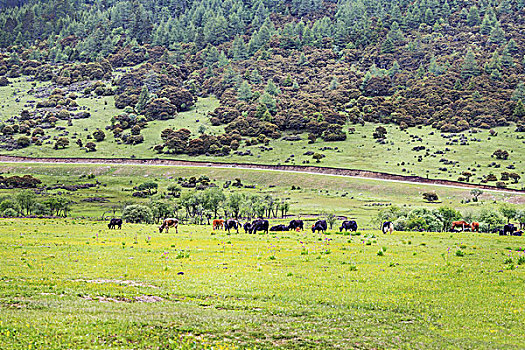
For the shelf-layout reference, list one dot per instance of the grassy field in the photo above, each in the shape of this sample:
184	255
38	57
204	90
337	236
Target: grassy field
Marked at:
359	151
70	284
350	197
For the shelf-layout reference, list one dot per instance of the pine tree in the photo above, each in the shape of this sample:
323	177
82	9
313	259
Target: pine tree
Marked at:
268	101
493	64
142	100
519	92
486	25
473	18
519	110
239	51
271	88
255	77
506	58
223	60
395	33
394	69
497	35
387	46
245	91
512	46
469	68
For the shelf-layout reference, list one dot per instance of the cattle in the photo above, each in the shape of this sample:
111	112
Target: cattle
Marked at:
114	223
167	223
460	224
259	225
387	227
509	229
319	226
296	225
474	226
348	225
247	227
232	224
280	228
518	233
218	224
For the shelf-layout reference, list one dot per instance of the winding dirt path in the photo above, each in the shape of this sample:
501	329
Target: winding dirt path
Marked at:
366	174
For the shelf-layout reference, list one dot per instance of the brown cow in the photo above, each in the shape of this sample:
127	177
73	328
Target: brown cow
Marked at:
167	223
218	224
462	224
474	227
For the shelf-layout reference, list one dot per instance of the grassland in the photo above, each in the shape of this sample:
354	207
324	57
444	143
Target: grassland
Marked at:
69	284
359	151
350	197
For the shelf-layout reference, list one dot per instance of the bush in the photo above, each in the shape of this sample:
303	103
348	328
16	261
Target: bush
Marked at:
23	141
91	147
137	213
10	212
99	135
430	196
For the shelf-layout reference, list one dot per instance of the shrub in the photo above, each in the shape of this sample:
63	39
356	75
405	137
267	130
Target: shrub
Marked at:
501	154
430	196
23	141
137	213
99	135
91	147
9	212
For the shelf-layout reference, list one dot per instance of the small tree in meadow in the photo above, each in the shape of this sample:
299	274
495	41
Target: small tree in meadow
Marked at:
508	211
475	194
137	213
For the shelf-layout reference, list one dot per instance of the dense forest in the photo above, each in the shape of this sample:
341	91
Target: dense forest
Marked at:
276	66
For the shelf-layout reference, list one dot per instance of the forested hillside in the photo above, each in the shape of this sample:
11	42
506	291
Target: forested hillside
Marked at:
277	67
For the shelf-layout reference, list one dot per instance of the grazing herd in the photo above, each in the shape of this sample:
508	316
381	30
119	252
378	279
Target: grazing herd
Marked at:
320	226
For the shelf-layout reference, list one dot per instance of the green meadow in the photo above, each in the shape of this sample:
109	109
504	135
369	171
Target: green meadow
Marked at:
359	151
74	284
354	198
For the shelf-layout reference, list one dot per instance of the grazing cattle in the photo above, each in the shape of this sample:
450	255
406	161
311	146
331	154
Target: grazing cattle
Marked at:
387	227
319	226
296	225
460	224
509	229
218	224
259	225
114	223
247	227
348	225
232	224
167	223
474	227
279	228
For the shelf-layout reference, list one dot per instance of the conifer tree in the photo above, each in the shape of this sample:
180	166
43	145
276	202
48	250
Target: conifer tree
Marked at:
271	88
473	18
142	100
387	46
519	92
245	91
497	35
469	68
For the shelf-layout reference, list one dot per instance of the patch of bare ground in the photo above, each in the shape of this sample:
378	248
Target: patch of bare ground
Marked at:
124	282
136	299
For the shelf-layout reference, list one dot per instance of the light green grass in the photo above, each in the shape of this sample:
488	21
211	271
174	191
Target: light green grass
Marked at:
318	194
291	290
359	151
